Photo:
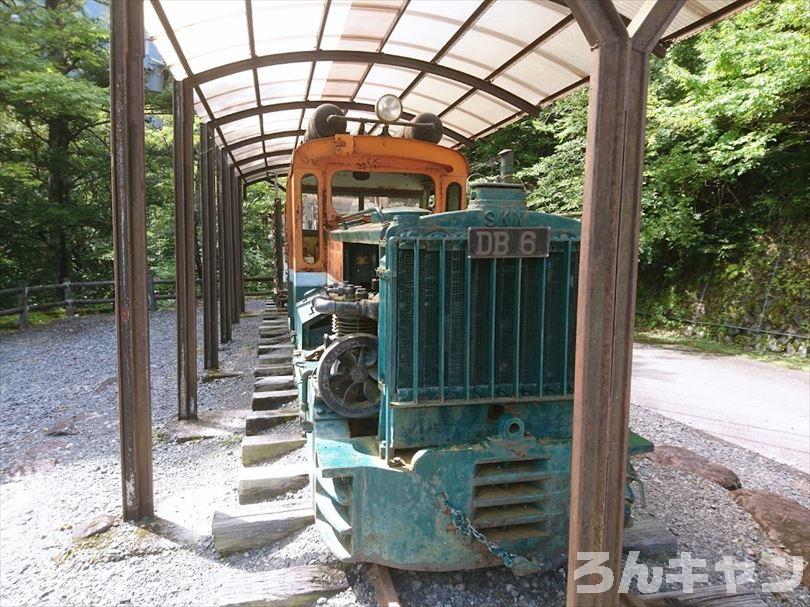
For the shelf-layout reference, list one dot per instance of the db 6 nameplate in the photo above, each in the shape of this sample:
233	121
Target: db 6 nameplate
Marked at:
508	243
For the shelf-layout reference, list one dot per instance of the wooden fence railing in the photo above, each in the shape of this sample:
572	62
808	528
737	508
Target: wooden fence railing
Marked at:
23	293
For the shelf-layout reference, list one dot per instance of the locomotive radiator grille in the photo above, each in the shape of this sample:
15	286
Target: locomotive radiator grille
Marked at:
475	328
510	499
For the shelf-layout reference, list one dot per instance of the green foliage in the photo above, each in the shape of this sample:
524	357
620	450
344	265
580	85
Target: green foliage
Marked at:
54	167
725	204
725	183
55	202
258	226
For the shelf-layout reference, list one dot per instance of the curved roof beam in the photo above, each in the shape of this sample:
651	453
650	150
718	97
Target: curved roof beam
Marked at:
266	137
265	155
277	168
311	104
369	57
267	177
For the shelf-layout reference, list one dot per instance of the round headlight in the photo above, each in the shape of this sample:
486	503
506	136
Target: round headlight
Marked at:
388	108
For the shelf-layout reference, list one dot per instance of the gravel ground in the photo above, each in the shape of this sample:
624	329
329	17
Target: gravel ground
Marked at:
61	377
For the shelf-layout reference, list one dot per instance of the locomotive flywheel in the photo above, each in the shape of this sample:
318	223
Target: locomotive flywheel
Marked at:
347	376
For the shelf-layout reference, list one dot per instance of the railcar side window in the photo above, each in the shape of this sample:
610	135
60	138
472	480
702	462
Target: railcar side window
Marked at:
309	218
354	191
454	197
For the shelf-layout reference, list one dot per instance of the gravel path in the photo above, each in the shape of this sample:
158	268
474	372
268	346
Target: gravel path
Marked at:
61	377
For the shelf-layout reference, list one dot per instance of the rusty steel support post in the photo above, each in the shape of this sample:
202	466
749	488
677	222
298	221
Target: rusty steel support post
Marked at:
234	181
241	216
224	247
232	247
278	245
607	278
184	246
220	246
129	256
209	247
228	187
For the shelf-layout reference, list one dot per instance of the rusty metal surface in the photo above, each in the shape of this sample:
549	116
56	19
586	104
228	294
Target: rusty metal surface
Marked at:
209	248
129	246
222	247
278	243
240	216
184	248
233	281
613	169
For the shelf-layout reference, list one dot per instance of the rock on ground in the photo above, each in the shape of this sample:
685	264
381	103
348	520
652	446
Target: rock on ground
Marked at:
689	461
786	523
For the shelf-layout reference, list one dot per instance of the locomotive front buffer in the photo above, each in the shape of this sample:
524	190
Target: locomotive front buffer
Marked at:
434	354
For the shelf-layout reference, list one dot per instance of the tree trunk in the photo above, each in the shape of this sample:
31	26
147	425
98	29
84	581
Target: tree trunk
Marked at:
58	140
58	195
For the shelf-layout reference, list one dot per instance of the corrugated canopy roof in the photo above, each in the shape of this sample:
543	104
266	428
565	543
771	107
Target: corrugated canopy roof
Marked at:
261	67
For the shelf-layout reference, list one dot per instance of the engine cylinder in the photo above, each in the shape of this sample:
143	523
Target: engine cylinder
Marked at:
350	321
347	326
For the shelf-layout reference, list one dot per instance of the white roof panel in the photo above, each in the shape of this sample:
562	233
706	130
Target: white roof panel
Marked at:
487	63
246	151
434	94
282	26
358	26
497	35
427	25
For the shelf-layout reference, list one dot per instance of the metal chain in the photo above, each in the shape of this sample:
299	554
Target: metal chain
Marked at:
632	477
520	565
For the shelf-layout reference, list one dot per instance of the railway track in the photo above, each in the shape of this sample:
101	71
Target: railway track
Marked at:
274	464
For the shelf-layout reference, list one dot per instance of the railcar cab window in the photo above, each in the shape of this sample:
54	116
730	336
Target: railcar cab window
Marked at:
310	235
454	197
354	191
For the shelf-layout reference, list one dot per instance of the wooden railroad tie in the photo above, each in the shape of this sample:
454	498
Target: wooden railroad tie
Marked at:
257	422
713	596
274	338
291	587
273	399
273	369
281	323
275	358
383	586
650	537
277	340
283	349
261	449
262	483
247	527
276	382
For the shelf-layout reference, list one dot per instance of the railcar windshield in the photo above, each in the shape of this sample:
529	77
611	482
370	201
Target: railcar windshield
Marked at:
354	191
309	219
